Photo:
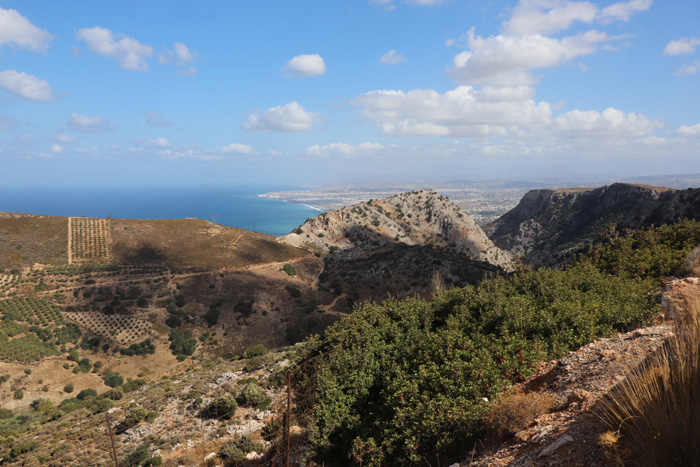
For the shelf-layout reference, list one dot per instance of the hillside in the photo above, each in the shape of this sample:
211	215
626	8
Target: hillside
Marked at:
549	227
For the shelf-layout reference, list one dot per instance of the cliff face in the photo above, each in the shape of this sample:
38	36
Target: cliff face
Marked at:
551	226
418	218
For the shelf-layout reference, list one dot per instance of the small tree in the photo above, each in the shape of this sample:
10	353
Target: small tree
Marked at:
68	388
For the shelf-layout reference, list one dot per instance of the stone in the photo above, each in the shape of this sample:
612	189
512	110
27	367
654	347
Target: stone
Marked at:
563	441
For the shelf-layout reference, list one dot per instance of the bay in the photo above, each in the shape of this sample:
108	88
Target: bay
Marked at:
233	207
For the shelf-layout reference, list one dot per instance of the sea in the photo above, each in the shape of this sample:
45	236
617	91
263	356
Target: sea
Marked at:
234	207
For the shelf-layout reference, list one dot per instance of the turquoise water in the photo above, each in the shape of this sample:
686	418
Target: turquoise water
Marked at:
232	207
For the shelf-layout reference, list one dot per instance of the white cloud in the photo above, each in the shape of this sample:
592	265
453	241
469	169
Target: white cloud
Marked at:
507	60
305	66
392	58
179	55
288	117
548	16
130	53
623	11
689	130
18	31
689	69
682	46
611	123
210	154
154	119
158	142
463	111
26	86
88	150
57	149
65	139
86	124
236	148
345	150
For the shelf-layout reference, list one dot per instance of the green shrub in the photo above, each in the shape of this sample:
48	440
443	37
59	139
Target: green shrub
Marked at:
236	450
254	396
135	415
19	394
221	408
86	393
293	291
112	379
289	269
255	351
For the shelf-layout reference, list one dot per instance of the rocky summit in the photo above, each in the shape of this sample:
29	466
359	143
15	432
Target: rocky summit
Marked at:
549	227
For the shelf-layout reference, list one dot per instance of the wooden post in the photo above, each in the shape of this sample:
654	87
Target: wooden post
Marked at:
111	439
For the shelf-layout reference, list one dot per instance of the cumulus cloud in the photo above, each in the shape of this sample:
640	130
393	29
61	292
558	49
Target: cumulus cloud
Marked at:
689	69
464	111
154	119
236	148
130	53
26	86
548	16
86	124
288	117
392	58
624	10
507	60
179	55
689	130
18	31
304	66
682	46
345	150
610	123
57	149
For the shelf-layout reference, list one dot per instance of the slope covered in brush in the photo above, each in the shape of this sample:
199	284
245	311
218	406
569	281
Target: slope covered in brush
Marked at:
411	380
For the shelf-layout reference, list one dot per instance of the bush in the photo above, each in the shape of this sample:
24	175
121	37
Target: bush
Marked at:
19	394
182	343
293	291
27	371
255	351
221	408
86	393
114	394
113	380
254	396
236	450
132	384
135	416
212	316
289	269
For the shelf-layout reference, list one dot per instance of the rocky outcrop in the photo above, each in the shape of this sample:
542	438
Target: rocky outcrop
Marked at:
422	218
549	227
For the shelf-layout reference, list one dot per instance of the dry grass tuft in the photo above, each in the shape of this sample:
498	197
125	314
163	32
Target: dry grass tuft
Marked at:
691	265
656	410
516	411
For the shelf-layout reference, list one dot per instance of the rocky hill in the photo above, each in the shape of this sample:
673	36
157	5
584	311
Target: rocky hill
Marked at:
416	218
548	227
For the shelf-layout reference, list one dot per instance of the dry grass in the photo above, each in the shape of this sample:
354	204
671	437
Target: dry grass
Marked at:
516	411
656	410
691	265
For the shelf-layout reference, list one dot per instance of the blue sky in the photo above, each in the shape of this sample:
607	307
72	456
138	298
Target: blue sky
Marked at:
311	92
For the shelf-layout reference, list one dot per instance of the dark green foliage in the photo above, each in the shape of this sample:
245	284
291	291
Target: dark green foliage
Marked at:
182	343
113	380
404	382
19	394
173	322
86	393
85	365
253	396
212	316
68	388
5	413
22	448
114	394
221	408
293	291
147	347
135	415
289	269
255	351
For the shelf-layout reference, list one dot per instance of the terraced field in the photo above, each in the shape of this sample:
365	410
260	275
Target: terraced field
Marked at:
7	283
89	240
122	329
